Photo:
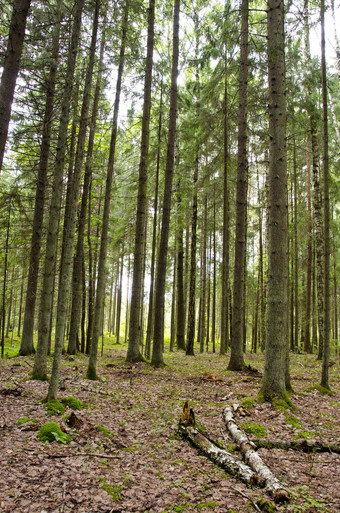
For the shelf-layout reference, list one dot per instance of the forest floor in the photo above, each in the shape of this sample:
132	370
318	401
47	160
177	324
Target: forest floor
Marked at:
139	463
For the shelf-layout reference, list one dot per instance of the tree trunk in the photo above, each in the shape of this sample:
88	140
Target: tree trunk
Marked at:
11	68
157	354
40	362
27	346
236	361
91	371
71	209
173	306
274	376
133	352
326	247
119	298
78	259
4	287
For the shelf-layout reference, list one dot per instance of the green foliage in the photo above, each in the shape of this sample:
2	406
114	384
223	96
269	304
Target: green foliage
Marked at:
73	403
251	428
310	504
54	407
113	490
24	420
51	432
305	434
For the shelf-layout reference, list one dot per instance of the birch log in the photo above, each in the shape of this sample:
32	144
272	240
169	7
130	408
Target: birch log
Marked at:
219	456
273	485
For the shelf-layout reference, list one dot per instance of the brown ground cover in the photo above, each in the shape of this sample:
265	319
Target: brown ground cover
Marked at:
140	464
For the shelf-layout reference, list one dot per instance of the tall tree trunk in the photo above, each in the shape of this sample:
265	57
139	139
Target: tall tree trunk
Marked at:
154	235
157	354
296	261
40	362
180	313
27	346
325	355
91	371
119	298
133	352
20	304
173	306
274	377
4	287
236	361
202	317
306	335
213	313
71	209
225	247
77	263
11	68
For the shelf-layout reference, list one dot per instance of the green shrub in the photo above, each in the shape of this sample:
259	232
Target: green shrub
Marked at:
51	432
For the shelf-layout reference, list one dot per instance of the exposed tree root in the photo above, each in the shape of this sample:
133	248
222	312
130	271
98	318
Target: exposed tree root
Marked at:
273	485
297	445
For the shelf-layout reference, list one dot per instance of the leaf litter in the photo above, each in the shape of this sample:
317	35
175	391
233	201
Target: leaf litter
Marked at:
126	455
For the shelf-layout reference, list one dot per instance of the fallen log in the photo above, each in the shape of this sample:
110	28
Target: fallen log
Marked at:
219	456
253	459
297	445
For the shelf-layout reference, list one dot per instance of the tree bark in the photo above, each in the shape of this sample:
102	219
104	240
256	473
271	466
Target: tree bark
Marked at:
26	346
70	218
91	371
157	353
11	68
40	362
236	361
274	376
133	352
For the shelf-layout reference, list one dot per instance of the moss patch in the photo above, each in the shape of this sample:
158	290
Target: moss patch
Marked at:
113	490
251	428
247	402
73	403
24	420
104	430
51	432
293	421
320	389
54	407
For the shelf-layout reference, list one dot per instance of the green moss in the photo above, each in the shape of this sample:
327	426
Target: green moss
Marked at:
113	490
24	420
51	432
247	402
54	407
305	434
73	403
231	448
266	506
211	505
293	421
322	390
104	430
254	429
200	427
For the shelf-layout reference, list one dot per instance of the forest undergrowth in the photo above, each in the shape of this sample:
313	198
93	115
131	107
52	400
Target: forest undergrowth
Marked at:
125	454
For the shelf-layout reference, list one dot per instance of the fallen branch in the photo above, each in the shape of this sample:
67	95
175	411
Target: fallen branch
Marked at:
219	456
297	445
253	459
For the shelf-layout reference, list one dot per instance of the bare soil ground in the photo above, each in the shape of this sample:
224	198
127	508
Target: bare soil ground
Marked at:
143	465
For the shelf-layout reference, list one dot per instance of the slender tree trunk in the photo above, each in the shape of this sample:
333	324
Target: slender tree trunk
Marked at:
40	362
157	355
173	306
119	298
203	300
127	308
180	313
77	264
325	359
27	346
236	361
213	313
225	248
274	377
192	280
154	235
11	68
91	371
133	352
307	338
70	219
20	304
296	257
4	287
